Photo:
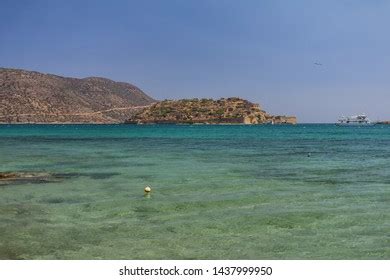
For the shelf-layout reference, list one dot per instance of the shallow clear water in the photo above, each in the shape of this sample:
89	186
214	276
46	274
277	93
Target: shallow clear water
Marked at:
219	192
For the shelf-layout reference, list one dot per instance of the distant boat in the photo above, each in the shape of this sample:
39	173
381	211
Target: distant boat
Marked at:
355	120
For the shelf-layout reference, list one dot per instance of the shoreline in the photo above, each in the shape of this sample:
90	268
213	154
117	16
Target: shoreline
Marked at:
385	123
150	124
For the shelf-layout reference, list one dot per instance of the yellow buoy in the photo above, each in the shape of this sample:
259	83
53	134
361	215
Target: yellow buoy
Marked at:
147	189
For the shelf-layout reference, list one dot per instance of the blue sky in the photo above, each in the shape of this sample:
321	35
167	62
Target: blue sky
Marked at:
261	50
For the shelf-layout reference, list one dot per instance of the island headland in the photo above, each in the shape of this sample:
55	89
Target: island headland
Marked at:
33	97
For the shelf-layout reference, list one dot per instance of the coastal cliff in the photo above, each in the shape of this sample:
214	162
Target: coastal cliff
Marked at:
283	120
231	110
33	97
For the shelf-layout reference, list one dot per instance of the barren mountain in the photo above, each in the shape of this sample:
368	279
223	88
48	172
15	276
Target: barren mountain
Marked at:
33	97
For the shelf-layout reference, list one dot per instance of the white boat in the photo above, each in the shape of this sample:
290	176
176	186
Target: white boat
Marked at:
355	120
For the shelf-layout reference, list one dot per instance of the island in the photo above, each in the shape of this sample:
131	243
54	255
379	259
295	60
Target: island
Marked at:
232	110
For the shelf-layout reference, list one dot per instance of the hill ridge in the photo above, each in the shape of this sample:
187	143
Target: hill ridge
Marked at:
36	97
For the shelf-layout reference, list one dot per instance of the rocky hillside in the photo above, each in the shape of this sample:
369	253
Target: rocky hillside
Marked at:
32	97
225	110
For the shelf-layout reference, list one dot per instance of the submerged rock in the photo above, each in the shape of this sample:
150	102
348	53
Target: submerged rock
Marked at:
8	177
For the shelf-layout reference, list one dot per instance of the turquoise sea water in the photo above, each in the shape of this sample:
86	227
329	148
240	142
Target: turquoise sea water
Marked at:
219	192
